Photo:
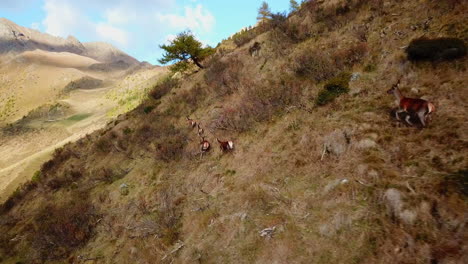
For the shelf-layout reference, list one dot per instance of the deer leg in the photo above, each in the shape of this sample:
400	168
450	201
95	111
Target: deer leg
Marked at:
407	119
422	118
398	112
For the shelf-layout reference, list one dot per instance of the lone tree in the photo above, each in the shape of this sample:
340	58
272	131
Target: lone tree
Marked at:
183	49
264	12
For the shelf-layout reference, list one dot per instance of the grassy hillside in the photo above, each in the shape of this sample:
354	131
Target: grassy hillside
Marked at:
320	172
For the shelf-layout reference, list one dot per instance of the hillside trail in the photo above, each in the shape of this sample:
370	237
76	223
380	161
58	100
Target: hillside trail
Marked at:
91	104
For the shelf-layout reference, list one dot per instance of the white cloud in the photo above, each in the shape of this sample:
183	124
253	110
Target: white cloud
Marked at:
62	19
113	34
119	16
196	19
142	24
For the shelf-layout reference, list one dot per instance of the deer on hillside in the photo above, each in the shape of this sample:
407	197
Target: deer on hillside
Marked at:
420	107
204	146
200	131
255	49
225	146
191	122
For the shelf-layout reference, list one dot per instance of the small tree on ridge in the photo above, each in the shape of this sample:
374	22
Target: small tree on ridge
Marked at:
183	49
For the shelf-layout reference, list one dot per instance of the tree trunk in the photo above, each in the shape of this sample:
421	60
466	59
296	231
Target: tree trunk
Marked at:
197	63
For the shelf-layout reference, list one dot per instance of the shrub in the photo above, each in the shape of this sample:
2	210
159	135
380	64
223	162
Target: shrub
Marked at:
439	49
163	87
224	76
278	21
312	65
244	36
334	88
259	102
60	229
36	177
168	141
103	144
148	109
349	57
370	68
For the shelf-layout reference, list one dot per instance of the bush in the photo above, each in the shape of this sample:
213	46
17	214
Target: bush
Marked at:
312	65
439	49
148	109
259	103
163	87
349	57
168	141
224	76
334	88
58	230
278	21
244	36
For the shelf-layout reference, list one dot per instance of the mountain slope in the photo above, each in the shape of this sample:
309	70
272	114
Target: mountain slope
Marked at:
311	180
15	38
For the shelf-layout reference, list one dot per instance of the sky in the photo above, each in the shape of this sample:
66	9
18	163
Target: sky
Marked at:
137	27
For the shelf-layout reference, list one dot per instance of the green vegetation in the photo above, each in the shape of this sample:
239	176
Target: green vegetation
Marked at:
264	12
293	5
333	88
183	49
78	117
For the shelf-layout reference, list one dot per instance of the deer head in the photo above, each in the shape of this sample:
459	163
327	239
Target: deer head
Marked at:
395	87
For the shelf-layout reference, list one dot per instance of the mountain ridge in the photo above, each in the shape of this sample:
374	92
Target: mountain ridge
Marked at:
16	39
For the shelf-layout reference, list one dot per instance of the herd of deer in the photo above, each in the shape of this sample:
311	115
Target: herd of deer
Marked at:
408	108
205	145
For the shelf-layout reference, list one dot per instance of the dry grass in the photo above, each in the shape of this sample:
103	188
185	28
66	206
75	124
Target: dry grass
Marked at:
396	194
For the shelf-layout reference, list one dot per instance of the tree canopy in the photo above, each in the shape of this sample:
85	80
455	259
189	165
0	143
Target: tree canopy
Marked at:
182	49
264	12
293	5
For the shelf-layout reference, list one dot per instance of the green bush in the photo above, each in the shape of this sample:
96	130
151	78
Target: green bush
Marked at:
333	88
148	109
439	49
36	177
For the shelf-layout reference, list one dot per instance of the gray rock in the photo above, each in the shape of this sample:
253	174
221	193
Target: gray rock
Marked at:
393	200
355	76
366	144
336	143
124	190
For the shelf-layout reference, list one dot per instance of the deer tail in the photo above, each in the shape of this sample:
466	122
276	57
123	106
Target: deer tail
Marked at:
430	108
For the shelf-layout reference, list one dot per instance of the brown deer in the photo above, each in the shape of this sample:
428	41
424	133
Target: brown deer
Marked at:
225	146
422	108
191	122
204	146
200	131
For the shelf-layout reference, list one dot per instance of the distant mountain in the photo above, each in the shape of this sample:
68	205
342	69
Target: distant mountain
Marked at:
16	39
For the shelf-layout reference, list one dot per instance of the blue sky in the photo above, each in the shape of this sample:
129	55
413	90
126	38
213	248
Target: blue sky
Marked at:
136	26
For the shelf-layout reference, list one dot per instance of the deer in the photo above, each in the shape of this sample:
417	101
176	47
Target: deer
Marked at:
422	108
225	146
200	130
255	49
204	146
191	122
